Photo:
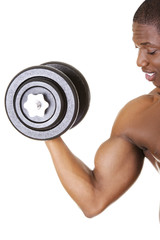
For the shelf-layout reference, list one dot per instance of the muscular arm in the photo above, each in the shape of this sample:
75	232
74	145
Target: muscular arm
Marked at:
117	165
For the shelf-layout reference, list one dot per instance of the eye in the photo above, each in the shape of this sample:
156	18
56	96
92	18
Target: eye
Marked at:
152	52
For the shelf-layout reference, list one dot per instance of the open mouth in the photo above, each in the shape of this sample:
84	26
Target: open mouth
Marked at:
150	76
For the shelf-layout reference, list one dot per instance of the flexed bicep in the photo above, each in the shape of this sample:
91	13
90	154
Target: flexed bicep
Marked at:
118	163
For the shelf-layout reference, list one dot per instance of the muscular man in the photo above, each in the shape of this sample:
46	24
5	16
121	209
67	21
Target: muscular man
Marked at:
135	133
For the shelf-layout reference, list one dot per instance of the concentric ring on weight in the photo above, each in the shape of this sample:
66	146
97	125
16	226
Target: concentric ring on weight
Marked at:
50	118
68	89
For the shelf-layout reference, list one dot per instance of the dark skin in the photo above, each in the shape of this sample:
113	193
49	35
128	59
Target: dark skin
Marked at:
135	134
149	60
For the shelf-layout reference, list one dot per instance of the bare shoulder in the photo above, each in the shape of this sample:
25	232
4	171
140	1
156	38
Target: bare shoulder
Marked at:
133	115
139	123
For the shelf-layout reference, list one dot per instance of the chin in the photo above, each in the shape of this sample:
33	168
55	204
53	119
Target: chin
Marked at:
156	85
156	82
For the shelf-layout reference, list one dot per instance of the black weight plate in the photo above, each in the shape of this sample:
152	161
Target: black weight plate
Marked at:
80	84
17	91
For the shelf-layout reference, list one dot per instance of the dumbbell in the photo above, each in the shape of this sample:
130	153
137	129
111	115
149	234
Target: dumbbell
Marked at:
43	102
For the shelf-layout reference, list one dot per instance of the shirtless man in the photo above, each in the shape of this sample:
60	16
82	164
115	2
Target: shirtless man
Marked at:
134	136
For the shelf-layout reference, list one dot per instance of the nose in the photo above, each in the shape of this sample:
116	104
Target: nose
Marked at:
142	60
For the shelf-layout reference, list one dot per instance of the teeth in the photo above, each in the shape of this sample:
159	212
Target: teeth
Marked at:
150	74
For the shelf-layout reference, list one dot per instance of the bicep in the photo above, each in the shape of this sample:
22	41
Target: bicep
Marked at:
118	163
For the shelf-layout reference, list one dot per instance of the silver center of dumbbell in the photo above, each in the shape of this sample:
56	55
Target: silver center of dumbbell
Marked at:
36	105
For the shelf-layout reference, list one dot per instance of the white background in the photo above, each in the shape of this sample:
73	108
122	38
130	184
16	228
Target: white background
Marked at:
95	37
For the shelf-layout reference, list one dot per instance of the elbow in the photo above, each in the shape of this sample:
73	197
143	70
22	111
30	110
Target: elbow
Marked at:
94	204
90	214
93	211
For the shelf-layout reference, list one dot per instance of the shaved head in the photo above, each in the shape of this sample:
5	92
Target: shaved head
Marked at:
149	13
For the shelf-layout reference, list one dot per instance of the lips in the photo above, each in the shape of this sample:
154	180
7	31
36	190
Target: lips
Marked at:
150	76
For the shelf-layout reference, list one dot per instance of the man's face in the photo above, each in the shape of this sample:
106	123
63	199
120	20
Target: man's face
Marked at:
147	39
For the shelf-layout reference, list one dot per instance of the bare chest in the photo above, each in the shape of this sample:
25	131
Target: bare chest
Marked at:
144	131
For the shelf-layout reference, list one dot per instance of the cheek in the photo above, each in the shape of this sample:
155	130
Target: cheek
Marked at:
156	63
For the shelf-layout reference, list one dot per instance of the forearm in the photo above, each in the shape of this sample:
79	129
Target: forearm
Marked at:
75	176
